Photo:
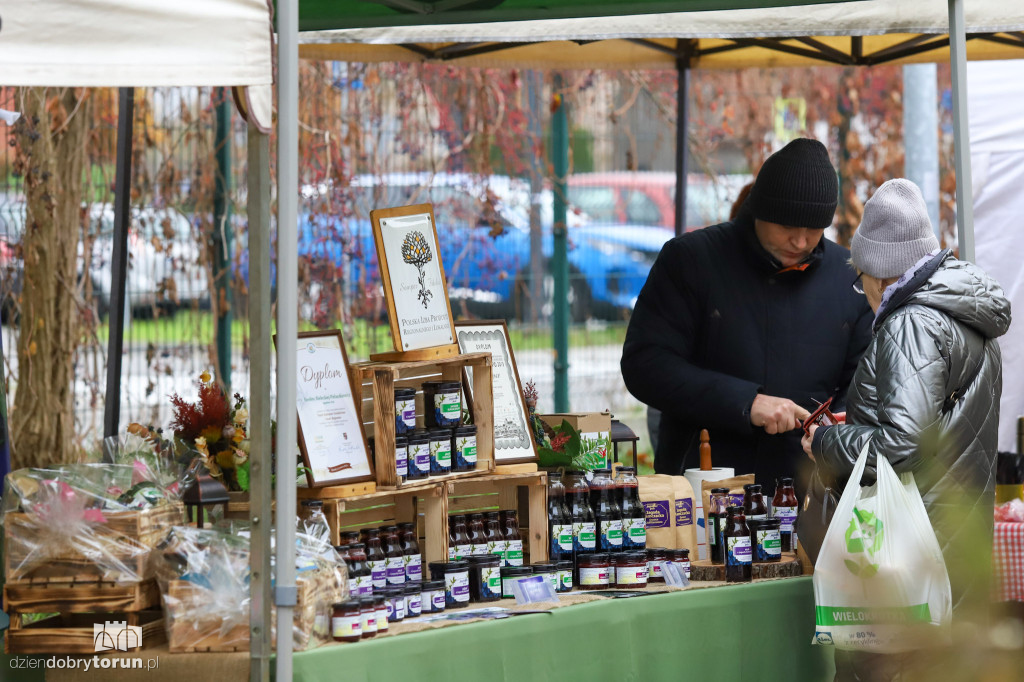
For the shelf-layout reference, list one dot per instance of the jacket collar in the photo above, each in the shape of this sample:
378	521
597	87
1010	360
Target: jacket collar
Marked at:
764	262
905	287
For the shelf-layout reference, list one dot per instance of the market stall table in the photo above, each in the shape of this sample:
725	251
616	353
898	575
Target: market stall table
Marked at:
1008	560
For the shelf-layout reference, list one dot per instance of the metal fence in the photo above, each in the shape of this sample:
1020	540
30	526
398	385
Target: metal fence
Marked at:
475	144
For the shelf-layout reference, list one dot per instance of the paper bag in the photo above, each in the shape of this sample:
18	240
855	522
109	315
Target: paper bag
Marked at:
668	504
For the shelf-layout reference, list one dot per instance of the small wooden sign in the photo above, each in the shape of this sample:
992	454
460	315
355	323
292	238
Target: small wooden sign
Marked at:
330	427
513	439
414	283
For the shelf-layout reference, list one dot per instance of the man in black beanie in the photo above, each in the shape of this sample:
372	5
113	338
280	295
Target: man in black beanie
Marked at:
743	328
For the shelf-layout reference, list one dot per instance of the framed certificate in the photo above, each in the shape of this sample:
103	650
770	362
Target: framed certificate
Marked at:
330	428
513	440
413	277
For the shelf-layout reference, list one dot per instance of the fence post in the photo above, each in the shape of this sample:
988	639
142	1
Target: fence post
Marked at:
222	239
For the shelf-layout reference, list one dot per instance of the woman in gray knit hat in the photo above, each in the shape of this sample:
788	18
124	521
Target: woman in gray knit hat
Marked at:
925	395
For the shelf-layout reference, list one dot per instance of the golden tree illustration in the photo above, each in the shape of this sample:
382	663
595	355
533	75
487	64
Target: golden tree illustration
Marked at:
416	251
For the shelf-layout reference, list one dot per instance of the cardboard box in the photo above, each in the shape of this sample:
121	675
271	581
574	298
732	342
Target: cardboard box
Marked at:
594	428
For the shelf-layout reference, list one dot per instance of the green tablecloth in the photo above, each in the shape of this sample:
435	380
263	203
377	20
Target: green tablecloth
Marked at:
760	631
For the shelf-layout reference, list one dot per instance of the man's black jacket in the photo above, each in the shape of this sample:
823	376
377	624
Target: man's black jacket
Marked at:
719	321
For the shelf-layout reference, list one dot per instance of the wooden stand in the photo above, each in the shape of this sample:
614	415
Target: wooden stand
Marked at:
526	493
72	633
420	354
378	381
788	567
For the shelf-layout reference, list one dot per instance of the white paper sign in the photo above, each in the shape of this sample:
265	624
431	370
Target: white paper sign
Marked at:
328	414
414	268
512	438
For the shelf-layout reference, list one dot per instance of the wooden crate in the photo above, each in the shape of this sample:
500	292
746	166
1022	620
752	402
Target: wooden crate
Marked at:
90	597
426	505
72	633
527	493
378	381
148	526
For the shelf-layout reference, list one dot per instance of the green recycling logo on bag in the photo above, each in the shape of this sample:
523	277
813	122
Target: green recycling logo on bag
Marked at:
863	537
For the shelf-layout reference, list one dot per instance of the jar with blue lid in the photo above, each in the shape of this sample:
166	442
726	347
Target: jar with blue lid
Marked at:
440	452
418	455
405	410
442	403
464	448
455	575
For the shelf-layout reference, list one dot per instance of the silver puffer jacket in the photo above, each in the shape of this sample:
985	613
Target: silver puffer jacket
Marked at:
934	338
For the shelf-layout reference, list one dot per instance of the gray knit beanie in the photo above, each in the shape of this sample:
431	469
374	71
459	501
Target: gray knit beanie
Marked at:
894	232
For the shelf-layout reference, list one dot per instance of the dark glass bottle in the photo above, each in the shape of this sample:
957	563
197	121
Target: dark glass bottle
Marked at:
559	520
458	538
395	558
492	534
411	550
376	559
754	509
606	511
584	529
634	519
785	507
717	514
359	584
513	540
477	537
737	547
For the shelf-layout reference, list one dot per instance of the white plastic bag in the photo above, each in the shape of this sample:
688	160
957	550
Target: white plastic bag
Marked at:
880	583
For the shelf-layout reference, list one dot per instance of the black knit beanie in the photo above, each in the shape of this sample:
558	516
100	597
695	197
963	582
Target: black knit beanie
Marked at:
797	186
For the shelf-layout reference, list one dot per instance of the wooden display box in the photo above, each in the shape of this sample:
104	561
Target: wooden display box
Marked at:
378	381
47	597
72	633
426	505
527	493
595	429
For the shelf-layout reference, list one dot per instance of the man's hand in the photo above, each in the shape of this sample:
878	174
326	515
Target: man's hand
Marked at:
807	440
776	415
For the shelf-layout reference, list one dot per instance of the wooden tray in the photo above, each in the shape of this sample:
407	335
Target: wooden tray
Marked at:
46	597
527	493
72	633
789	566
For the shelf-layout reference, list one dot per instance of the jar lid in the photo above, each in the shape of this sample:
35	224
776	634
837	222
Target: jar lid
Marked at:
405	392
458	565
593	559
401	441
449	385
719	490
466	430
682	553
356	546
378	599
438	433
412	588
629	469
485	559
748	486
734	510
431	585
389	528
755	487
516	571
350	604
601	471
654	550
366	600
385	591
564	565
771	523
419	437
313	504
407	525
787	481
545	566
431	384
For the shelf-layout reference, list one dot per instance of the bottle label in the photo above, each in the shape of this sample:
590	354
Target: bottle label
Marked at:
414	566
490	581
638	533
419	458
561	540
584	535
684	512
594	576
756	517
769	544
739	550
462	551
611	534
451	553
378	574
787	517
478	548
711	531
514	552
631	575
402	462
357	585
496	547
347	626
395	570
457	587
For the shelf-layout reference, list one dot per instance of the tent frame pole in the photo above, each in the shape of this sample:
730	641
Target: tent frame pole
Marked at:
961	131
560	257
684	50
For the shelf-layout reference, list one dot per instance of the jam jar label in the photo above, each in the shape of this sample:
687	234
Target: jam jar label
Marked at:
437	601
611	534
594	576
451	553
684	512
490	581
419	458
565	577
405	413
414	604
631	575
440	456
739	550
684	567
787	518
400	607
448	406
346	626
378	574
584	535
369	621
381	617
467	446
391	608
563	535
456	587
395	570
654	569
769	544
402	462
657	514
514	552
414	566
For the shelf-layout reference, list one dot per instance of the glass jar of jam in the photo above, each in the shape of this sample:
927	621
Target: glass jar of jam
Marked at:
630	569
368	617
380	607
510	574
459	546
413	600
656	556
440	451
432	600
405	410
464	448
484	578
442	403
346	622
513	540
769	543
565	576
411	551
455	575
594	571
681	558
785	506
419	456
402	457
548	569
395	597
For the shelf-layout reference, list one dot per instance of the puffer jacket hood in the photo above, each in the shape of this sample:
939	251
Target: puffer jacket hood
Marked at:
926	397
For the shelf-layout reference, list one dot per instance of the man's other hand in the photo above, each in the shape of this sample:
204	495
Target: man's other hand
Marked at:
776	415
